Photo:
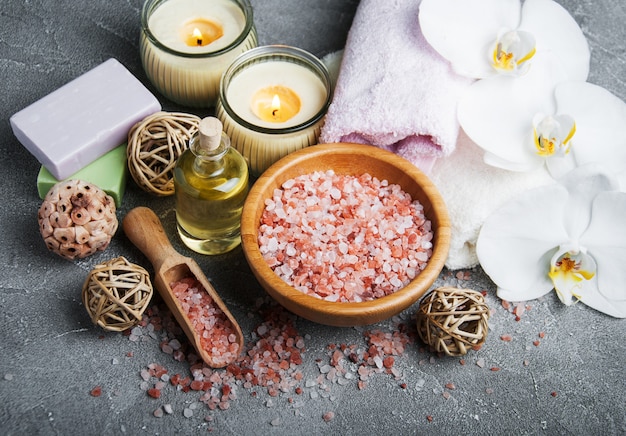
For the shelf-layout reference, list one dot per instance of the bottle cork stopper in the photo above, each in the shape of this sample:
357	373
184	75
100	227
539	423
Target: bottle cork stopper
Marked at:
210	133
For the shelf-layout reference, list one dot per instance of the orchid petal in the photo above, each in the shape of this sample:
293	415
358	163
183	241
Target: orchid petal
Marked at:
605	239
600	123
594	299
517	241
497	113
621	176
556	31
538	285
464	31
558	166
520	167
583	185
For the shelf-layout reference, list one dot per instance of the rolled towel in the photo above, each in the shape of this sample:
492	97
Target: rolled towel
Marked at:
472	190
393	90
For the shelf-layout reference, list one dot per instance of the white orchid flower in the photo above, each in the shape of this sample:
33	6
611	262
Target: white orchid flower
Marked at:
577	124
483	38
570	236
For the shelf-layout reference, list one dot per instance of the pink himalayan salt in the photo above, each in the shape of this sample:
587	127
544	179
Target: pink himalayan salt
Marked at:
216	332
376	357
271	361
344	238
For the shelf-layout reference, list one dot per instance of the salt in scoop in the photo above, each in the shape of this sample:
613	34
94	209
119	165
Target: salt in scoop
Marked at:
144	229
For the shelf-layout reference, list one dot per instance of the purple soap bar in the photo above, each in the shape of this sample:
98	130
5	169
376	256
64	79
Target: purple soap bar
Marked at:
84	119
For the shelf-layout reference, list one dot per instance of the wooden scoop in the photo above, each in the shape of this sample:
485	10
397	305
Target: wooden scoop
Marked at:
144	229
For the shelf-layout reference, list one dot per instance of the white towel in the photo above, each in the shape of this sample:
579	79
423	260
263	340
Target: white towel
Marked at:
472	190
393	90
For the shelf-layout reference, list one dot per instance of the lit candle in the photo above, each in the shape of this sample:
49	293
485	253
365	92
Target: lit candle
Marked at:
201	32
187	44
272	101
300	93
275	104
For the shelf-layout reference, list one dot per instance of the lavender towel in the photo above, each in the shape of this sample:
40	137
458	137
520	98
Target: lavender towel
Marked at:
393	90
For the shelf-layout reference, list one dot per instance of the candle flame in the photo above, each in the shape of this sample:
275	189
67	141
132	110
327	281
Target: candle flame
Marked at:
275	106
197	35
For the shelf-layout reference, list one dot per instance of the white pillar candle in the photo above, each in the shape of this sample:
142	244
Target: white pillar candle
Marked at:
187	44
298	79
260	130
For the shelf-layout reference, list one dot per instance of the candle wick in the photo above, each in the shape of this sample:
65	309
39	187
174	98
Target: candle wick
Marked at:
199	41
275	113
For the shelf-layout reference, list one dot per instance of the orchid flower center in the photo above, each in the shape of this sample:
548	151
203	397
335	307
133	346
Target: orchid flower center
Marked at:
552	134
568	273
512	51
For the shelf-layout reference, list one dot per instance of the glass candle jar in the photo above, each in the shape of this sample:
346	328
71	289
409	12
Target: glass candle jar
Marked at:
186	45
272	102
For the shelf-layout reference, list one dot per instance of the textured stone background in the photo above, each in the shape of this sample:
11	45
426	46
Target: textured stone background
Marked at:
51	355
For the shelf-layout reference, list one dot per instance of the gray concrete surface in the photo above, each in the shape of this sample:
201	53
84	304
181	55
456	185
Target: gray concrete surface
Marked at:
52	356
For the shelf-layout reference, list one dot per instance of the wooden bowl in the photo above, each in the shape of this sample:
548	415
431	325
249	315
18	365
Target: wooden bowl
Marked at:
352	159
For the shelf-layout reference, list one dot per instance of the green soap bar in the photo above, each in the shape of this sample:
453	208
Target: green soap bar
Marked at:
107	173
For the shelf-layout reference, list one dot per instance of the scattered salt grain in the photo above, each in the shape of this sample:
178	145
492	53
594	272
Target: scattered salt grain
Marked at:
419	385
8	377
145	374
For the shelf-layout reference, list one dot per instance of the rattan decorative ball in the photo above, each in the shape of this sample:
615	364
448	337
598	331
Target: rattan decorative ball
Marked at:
154	145
116	293
453	320
77	219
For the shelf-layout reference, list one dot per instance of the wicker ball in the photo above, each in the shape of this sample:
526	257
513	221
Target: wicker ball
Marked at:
452	320
116	293
77	219
154	145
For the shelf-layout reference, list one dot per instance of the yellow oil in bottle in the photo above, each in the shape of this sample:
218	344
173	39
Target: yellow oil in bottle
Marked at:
211	183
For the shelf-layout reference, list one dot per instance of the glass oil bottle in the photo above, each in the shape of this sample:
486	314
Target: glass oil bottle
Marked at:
210	186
